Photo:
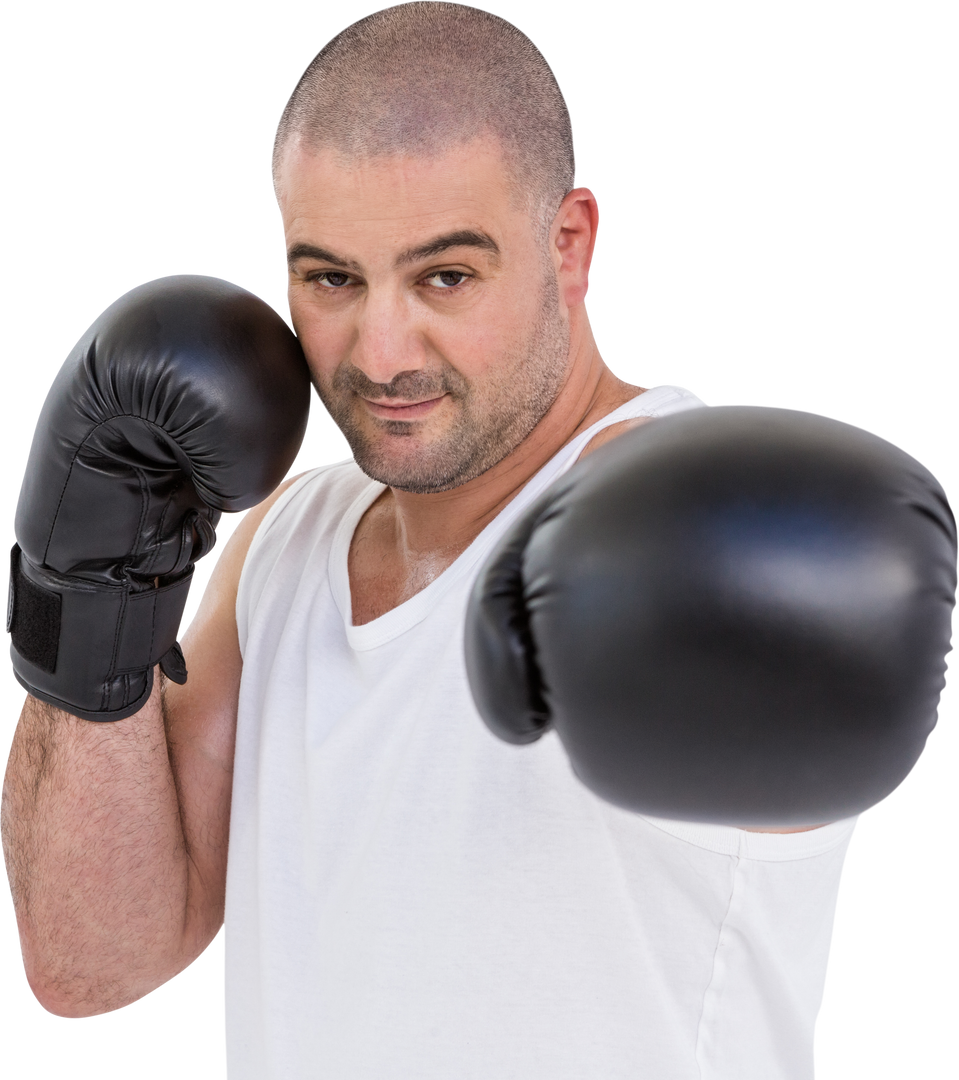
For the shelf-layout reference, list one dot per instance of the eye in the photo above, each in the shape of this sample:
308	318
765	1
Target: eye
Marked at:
331	279
446	279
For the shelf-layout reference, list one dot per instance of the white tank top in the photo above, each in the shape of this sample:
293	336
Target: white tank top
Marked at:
409	898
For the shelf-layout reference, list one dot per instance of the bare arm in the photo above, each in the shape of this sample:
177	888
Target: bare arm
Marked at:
97	859
115	834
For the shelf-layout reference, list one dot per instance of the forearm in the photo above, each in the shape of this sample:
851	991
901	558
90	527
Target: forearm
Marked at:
97	861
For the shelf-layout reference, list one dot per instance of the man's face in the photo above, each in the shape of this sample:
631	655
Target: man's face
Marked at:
427	306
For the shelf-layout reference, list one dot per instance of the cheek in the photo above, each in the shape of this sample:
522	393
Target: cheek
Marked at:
325	339
491	334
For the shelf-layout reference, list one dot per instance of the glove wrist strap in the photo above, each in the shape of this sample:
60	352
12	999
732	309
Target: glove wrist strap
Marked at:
90	647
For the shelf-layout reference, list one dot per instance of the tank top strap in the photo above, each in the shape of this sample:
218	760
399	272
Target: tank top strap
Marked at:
659	401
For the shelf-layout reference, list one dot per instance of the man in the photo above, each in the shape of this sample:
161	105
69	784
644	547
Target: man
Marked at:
407	897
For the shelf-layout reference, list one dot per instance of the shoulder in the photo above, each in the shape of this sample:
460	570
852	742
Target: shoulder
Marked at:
613	431
324	490
640	409
247	529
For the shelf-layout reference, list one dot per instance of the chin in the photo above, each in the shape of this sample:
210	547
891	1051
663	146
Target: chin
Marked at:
423	470
413	477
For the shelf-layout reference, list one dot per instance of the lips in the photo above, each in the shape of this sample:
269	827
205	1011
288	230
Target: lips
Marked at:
389	409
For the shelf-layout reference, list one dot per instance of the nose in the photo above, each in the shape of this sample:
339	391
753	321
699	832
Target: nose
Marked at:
388	340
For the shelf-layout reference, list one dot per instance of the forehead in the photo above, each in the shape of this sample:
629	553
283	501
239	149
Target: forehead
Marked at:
397	199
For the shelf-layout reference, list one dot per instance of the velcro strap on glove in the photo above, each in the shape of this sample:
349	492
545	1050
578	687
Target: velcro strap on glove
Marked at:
90	648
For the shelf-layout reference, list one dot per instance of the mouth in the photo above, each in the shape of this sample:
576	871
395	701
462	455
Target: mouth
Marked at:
391	409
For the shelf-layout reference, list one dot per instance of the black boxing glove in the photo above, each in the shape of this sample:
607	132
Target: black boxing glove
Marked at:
187	397
731	615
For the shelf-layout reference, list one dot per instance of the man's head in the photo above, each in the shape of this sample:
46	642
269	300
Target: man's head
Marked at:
420	79
423	168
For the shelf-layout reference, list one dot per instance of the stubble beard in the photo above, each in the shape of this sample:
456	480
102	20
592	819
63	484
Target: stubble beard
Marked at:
492	419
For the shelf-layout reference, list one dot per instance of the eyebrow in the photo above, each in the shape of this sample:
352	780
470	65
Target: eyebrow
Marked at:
436	246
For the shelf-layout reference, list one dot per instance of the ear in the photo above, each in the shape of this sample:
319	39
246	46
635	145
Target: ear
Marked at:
572	237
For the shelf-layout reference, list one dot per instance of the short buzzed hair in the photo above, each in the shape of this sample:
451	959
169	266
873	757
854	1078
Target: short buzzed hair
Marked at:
421	78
